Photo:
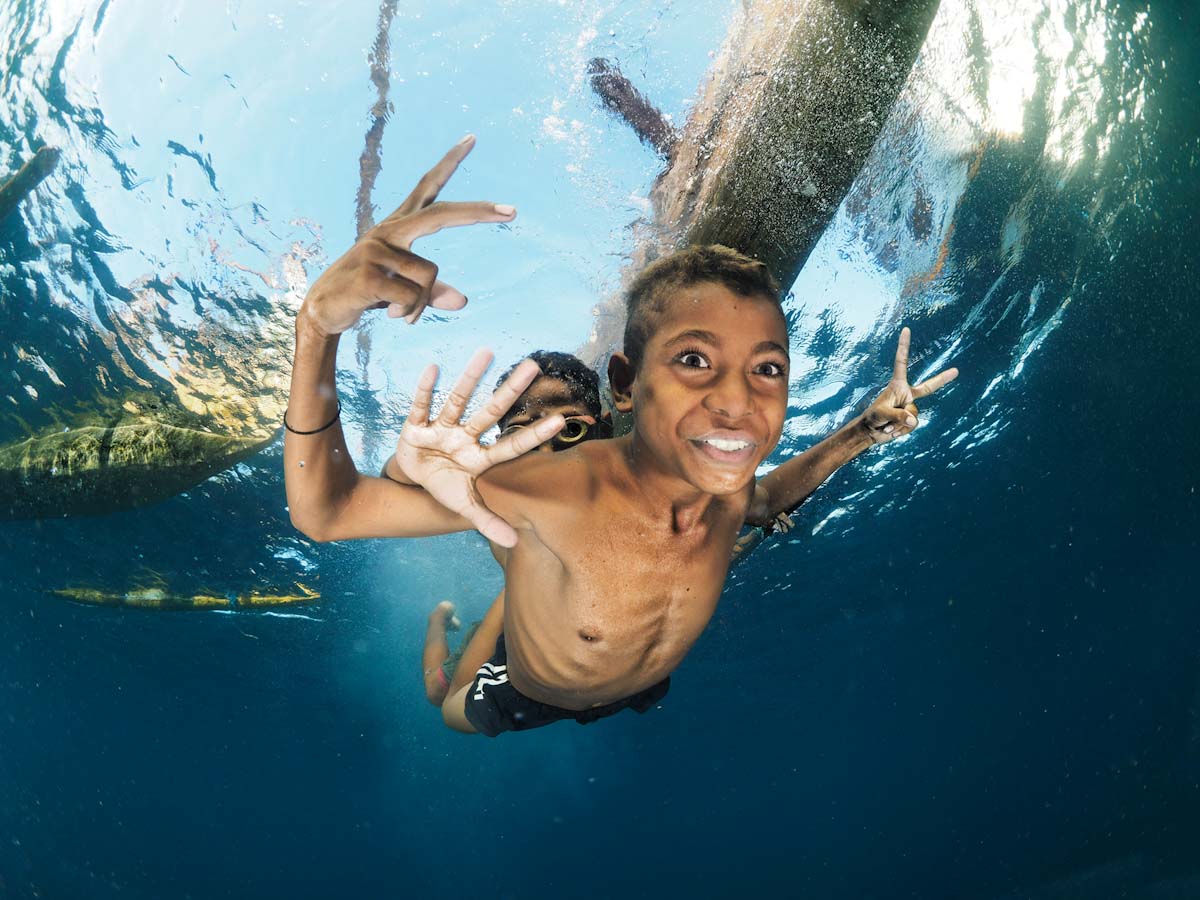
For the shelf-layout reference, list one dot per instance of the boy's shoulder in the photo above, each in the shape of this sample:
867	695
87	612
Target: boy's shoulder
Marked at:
548	479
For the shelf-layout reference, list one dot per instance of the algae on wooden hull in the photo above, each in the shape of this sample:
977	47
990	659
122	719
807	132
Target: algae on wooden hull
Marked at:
93	469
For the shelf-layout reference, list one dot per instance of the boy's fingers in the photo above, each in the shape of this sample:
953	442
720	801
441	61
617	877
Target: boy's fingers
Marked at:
390	289
937	382
444	296
441	296
503	399
435	179
900	367
423	397
402	231
886	418
393	261
490	525
460	395
524	440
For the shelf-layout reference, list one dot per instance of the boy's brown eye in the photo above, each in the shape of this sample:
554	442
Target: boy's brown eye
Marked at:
693	359
774	369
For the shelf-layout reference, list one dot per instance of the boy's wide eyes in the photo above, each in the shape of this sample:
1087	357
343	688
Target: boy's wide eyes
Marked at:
694	359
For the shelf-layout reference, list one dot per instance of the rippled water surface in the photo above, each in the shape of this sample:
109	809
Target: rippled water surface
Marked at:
971	671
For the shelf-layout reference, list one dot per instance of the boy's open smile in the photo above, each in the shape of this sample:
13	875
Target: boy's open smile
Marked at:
727	446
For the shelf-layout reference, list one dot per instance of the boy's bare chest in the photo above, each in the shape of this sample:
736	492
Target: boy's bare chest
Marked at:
621	572
607	603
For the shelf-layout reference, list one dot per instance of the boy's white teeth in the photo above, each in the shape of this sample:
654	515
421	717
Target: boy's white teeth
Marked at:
727	446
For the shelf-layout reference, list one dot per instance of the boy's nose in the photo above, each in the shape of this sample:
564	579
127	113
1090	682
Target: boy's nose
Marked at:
730	397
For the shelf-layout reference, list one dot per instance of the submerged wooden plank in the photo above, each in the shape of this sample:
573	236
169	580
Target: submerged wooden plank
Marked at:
28	177
159	599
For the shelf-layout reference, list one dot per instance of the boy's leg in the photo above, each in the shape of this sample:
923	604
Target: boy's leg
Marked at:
481	646
478	651
436	652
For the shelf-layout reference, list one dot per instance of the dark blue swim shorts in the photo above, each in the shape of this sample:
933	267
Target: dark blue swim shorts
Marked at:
495	706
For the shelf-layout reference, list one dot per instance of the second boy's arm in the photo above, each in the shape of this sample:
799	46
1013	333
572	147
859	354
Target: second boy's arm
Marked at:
892	415
788	485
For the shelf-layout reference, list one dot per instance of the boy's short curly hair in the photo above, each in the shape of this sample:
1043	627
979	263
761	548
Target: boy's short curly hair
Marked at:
581	381
646	298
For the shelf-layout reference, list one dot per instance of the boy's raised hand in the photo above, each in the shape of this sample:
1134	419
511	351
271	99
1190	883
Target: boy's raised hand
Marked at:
444	455
380	270
894	412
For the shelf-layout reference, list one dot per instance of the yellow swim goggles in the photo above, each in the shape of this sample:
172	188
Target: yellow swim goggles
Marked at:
576	430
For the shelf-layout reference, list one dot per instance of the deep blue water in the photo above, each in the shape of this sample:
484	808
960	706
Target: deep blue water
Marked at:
975	672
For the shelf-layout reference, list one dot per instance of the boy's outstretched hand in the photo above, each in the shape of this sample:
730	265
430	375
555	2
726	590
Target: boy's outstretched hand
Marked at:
380	270
894	412
444	455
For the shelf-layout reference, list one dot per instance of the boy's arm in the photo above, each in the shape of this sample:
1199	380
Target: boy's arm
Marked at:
892	415
327	497
788	485
437	462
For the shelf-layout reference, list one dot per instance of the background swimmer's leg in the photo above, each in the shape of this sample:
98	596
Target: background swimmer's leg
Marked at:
450	666
479	650
436	651
481	646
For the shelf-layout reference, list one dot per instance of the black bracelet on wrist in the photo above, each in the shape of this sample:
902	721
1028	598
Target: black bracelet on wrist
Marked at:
337	415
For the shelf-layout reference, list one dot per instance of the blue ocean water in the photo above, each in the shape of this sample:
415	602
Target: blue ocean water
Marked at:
973	669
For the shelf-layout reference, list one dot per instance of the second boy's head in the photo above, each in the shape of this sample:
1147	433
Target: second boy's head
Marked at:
566	386
705	366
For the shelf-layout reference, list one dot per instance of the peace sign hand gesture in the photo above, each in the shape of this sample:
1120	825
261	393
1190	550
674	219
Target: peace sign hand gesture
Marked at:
894	412
444	455
381	270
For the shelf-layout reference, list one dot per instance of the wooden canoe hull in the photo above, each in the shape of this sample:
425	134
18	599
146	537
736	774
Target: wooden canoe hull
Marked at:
95	470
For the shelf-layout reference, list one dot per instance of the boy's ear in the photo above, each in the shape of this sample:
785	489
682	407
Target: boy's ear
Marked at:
620	382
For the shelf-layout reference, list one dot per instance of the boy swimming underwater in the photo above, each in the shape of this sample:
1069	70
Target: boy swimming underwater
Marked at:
568	387
616	552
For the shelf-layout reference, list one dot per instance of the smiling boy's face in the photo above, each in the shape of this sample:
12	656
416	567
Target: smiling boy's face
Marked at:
710	396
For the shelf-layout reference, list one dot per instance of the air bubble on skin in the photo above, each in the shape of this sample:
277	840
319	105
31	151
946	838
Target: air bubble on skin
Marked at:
302	464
